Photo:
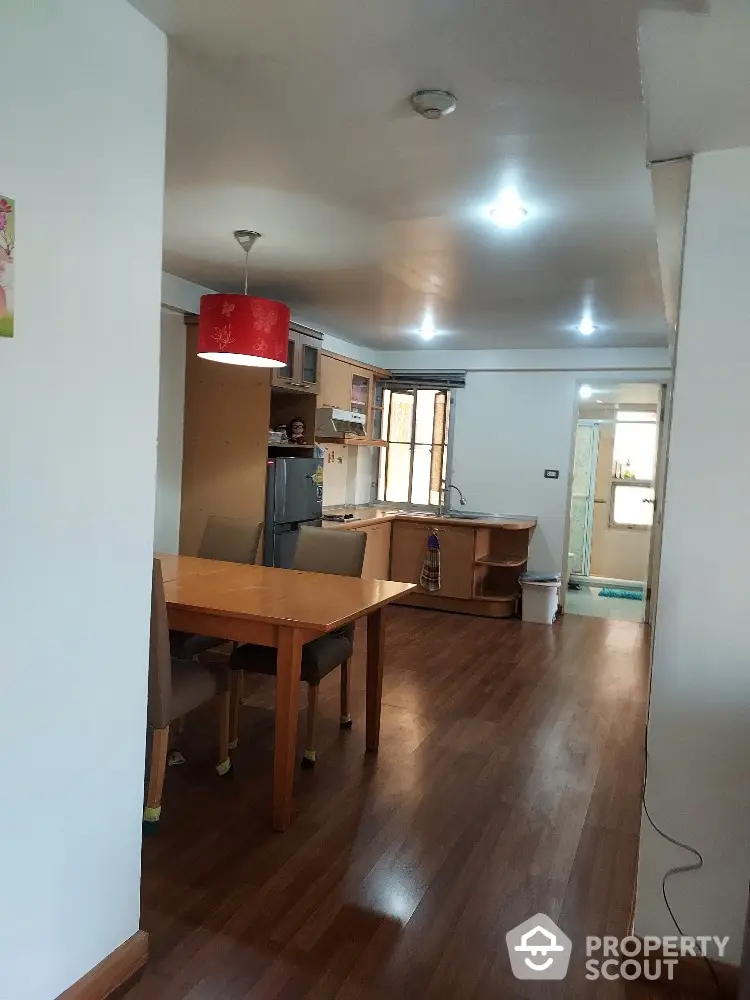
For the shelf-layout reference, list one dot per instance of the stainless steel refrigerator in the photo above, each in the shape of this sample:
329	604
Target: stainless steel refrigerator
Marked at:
294	496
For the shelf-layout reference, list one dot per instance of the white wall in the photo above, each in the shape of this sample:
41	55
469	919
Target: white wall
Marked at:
82	152
354	351
171	421
181	295
347	475
589	359
699	733
509	427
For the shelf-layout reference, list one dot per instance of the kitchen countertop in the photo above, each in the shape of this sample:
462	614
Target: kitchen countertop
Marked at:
364	516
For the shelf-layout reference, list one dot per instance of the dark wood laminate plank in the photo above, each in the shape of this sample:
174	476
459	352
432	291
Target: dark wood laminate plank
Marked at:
508	781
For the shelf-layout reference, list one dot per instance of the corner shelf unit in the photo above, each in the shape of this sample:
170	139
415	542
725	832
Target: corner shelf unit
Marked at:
500	556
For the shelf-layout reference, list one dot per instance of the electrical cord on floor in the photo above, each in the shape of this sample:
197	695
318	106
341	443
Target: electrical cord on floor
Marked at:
678	869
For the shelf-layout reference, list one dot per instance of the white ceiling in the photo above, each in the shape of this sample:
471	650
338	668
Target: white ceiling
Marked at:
291	118
696	79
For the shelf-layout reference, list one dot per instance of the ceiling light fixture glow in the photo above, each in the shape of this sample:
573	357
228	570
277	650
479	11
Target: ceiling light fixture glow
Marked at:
586	326
585	392
427	330
508	212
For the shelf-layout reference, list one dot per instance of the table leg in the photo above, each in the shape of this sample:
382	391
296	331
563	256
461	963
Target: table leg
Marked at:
288	675
375	643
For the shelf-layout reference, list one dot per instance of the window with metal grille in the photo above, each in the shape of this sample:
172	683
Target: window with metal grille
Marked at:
415	423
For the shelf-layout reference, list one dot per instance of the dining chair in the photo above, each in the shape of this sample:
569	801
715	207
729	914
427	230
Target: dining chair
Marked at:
319	550
228	539
176	687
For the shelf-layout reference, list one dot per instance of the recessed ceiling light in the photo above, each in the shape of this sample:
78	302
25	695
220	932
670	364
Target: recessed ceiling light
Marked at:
600	400
427	330
586	326
508	212
586	392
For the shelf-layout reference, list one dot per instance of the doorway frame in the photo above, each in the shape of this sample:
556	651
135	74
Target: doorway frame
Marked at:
660	485
586	422
666	384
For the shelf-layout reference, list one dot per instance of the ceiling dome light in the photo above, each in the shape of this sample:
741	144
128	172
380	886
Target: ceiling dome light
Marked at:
509	211
585	392
433	104
586	326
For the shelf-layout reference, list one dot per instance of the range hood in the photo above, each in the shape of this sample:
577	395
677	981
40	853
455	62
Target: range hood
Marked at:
339	424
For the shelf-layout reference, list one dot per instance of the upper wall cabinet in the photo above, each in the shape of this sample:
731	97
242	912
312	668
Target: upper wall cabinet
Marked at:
302	370
347	385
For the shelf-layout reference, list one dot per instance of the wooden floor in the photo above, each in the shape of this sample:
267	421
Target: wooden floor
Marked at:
508	782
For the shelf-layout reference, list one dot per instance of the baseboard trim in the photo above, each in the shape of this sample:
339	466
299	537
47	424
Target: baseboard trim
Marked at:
112	972
482	608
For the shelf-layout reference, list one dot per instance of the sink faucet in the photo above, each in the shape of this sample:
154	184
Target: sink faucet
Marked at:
444	491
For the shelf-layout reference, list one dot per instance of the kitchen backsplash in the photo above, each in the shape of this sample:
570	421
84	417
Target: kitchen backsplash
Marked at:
348	472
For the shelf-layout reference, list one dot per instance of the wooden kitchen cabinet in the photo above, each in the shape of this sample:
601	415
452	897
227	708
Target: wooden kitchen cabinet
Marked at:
302	370
409	548
377	564
349	386
225	443
309	361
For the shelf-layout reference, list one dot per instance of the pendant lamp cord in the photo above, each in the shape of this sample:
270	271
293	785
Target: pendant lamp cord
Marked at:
247	265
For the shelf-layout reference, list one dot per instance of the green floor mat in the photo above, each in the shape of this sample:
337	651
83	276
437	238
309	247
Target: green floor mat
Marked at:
629	595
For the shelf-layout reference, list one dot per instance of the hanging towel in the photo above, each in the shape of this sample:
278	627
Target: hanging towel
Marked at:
430	577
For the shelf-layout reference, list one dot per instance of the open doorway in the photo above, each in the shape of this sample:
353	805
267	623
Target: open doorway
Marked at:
613	500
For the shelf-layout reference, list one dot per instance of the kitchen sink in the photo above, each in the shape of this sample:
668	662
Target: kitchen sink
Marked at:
462	515
466	515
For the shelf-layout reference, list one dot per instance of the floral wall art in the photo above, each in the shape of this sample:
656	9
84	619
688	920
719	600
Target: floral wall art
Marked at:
7	248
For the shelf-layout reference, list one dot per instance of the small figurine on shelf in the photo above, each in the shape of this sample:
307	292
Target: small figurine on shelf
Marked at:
296	431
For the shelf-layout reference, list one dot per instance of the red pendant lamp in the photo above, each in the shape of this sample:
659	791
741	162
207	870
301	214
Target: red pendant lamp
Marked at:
243	329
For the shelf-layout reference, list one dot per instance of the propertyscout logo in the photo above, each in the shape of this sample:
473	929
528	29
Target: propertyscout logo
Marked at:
538	949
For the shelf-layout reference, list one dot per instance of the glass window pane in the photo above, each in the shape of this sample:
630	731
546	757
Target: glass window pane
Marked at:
420	480
634	454
438	430
381	472
397	477
439	456
423	430
360	393
401	415
633	505
386	411
437	472
309	364
288	370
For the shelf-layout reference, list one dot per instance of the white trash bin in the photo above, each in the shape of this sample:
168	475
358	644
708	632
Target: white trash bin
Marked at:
540	599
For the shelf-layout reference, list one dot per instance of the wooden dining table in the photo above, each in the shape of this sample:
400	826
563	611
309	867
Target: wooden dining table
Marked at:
284	609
